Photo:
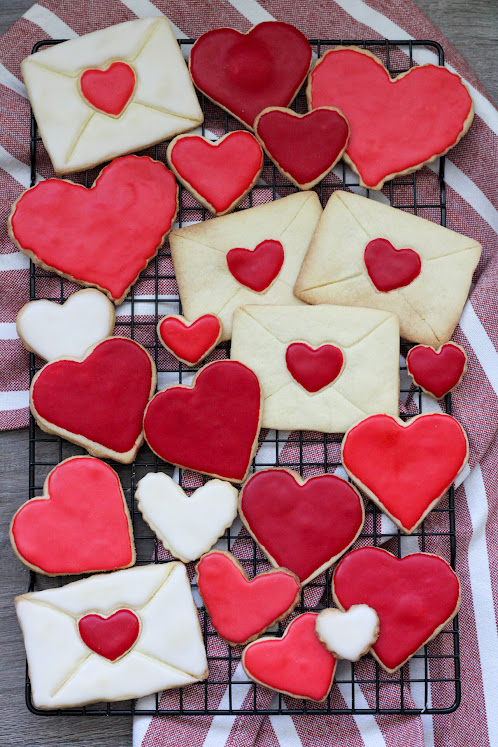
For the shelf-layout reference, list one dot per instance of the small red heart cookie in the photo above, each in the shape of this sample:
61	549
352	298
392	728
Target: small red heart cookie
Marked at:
414	597
305	147
210	427
439	371
245	73
390	268
314	368
302	525
109	90
218	174
259	267
111	637
189	342
405	468
240	609
296	664
97	401
81	523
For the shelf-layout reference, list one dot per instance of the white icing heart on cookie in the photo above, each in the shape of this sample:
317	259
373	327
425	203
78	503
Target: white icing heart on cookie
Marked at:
348	635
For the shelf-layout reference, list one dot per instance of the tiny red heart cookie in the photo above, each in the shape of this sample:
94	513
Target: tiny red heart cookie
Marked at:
314	368
259	267
111	637
109	90
190	343
439	371
390	268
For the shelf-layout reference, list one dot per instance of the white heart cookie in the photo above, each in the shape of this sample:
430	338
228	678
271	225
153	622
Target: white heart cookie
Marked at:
52	330
187	526
348	635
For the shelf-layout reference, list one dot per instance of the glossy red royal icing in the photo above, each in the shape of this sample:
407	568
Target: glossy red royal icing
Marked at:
85	511
412	597
395	124
102	397
109	90
314	368
190	342
297	663
257	268
301	526
110	637
210	427
99	236
407	467
240	609
221	173
438	372
390	268
245	73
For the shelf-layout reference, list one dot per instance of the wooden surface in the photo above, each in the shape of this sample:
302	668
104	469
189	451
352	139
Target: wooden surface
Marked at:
472	26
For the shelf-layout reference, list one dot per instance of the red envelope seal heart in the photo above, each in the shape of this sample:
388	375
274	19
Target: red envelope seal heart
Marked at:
437	372
109	90
257	268
314	368
111	637
390	268
190	343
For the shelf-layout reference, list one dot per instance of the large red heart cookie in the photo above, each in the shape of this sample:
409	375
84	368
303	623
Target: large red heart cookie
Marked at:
240	609
111	637
314	368
103	236
390	268
190	343
109	90
405	468
97	402
396	125
301	525
211	427
256	268
414	598
245	73
296	664
437	372
303	146
80	525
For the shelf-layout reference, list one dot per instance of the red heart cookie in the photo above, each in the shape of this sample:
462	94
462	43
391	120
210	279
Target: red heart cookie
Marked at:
190	343
245	73
391	268
210	427
302	525
437	372
109	90
405	468
314	368
296	664
111	637
414	598
80	525
240	609
218	174
257	268
103	236
303	146
396	125
97	402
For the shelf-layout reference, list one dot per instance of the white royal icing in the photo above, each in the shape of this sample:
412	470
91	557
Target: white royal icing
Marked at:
348	634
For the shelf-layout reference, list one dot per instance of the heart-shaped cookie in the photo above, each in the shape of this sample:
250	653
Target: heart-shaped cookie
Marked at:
103	236
189	342
109	90
302	525
439	371
257	268
111	637
314	368
405	468
390	268
348	635
414	597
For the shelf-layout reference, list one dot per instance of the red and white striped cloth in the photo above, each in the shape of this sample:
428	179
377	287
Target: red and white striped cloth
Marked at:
472	209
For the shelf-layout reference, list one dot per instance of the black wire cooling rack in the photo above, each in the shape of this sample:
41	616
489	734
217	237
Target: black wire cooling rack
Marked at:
430	683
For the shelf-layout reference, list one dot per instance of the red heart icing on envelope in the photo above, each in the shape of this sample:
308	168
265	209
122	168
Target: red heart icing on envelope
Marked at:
189	342
109	90
111	637
314	368
257	268
437	371
390	268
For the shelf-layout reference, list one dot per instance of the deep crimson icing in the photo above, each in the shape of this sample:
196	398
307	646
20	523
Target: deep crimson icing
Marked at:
412	597
245	73
297	663
390	268
210	427
190	342
110	637
301	526
101	398
306	147
407	467
395	125
314	368
83	527
240	609
109	90
257	268
221	173
437	372
102	236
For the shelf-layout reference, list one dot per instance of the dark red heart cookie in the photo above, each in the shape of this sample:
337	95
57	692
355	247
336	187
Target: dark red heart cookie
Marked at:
111	637
437	372
109	90
257	268
189	343
314	368
390	268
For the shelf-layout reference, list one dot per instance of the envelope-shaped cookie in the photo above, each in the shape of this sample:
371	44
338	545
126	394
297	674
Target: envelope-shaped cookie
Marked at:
110	92
112	637
321	368
252	256
368	254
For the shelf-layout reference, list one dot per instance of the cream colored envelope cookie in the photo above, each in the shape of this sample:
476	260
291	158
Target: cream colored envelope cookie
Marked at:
252	256
110	92
367	254
321	368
